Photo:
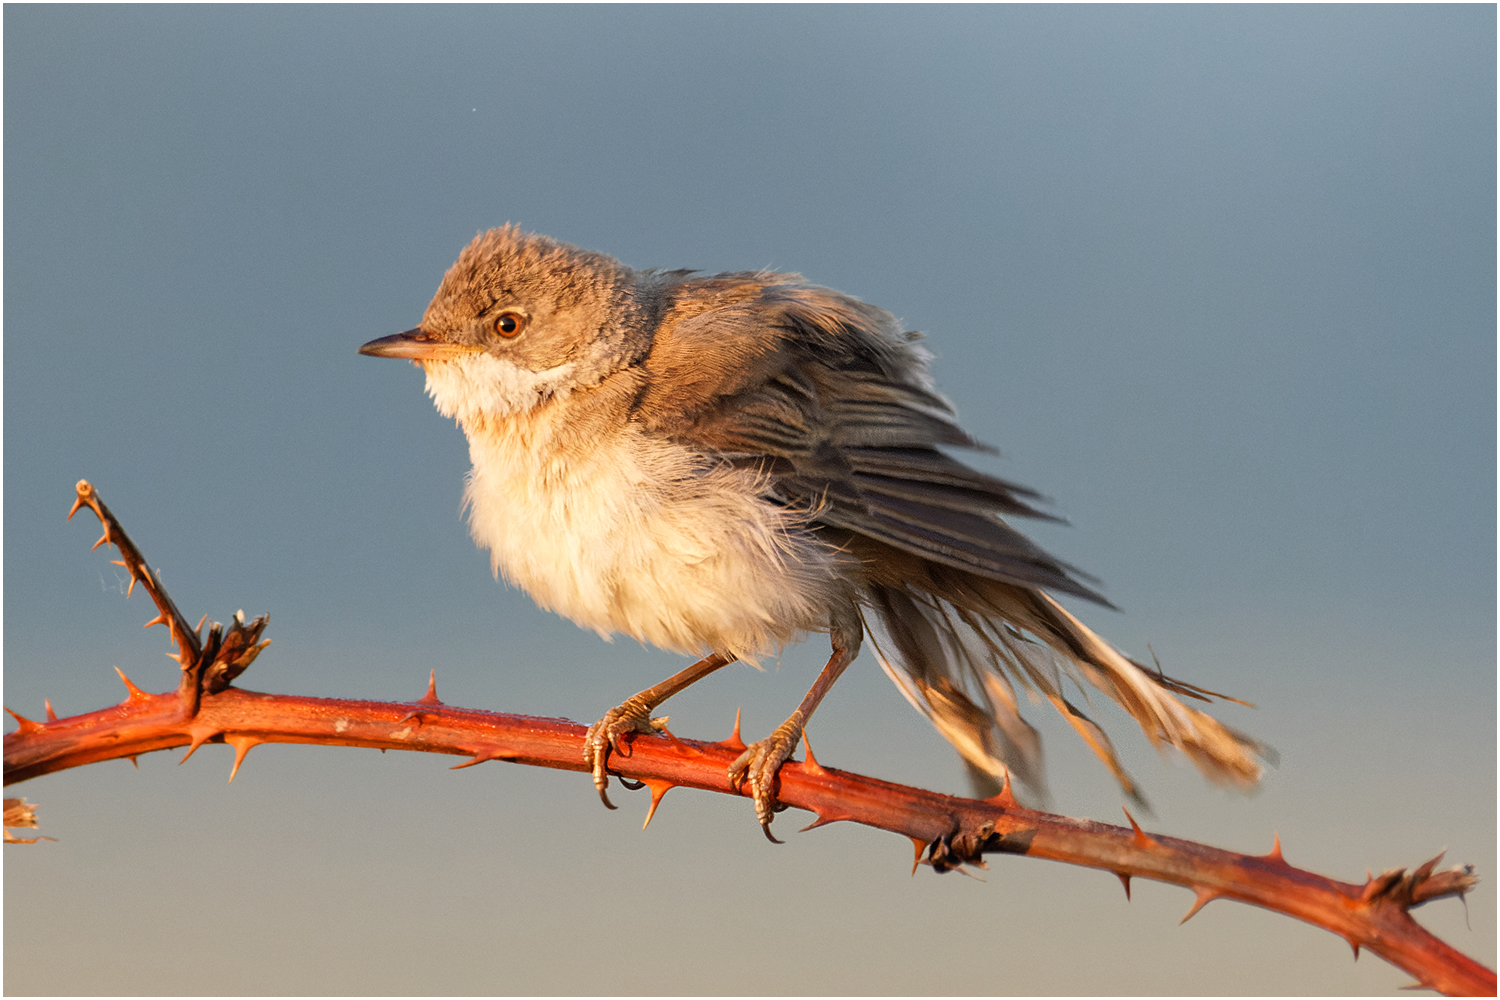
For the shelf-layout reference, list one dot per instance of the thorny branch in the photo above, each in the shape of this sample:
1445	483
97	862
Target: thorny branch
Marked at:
947	832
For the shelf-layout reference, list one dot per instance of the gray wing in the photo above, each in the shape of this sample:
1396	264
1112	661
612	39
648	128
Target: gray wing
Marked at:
829	398
833	401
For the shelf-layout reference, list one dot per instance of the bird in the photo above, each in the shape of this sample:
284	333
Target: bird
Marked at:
719	465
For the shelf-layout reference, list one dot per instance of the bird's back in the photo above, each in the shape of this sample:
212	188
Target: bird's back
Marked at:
831	401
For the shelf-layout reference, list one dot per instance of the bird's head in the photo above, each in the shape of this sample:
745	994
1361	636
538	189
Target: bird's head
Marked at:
518	319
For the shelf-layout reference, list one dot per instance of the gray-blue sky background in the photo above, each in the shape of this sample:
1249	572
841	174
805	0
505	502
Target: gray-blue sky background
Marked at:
1221	281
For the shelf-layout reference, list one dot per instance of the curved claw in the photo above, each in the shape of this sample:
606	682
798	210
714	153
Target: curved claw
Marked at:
759	764
608	734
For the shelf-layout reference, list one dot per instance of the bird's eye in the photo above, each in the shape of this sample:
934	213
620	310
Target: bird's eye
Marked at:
509	324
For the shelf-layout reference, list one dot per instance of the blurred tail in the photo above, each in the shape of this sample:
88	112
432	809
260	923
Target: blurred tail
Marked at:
959	644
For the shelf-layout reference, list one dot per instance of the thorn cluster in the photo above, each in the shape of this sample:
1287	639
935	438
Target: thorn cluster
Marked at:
209	663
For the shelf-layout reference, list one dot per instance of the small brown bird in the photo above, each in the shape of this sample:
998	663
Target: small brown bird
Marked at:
721	465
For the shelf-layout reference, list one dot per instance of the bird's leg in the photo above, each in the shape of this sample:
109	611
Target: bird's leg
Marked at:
761	760
634	716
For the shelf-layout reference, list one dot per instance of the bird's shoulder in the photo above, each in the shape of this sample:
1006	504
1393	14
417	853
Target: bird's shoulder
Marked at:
737	343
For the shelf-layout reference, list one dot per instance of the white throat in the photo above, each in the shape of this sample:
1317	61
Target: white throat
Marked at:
481	385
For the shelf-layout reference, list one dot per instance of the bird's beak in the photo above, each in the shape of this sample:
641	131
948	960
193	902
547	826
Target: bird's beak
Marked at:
416	345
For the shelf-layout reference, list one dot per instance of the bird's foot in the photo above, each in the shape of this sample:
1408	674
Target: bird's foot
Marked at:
758	766
634	716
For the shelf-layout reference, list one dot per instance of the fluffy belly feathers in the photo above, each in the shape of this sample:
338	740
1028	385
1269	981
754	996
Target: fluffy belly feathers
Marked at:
642	536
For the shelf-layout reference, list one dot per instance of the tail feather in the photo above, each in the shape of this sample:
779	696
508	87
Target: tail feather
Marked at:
960	643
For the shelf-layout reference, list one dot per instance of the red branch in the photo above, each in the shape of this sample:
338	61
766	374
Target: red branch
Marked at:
949	831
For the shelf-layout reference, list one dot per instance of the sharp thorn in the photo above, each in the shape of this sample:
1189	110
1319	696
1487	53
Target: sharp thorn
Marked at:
735	742
430	698
1125	881
1424	870
51	715
130	588
480	756
200	737
810	765
1355	945
1275	853
26	725
131	758
199	627
658	788
1205	896
160	619
822	820
103	540
1139	838
1414	986
77	506
135	693
119	562
1006	799
680	746
920	845
242	745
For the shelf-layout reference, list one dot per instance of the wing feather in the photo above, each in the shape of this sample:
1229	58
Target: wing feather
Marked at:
832	402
